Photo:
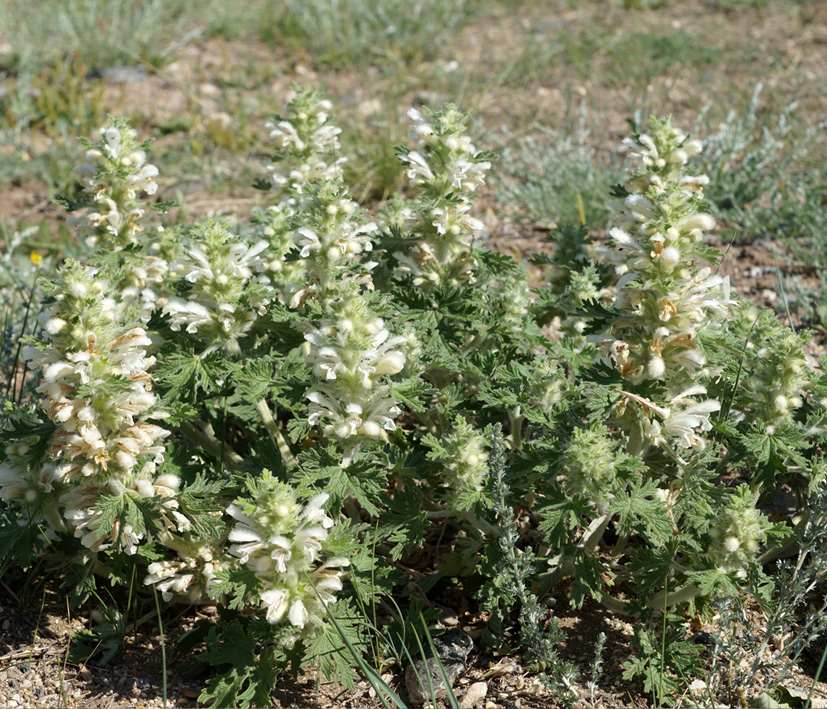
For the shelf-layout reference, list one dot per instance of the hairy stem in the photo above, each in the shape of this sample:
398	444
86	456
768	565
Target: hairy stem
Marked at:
276	435
208	441
595	532
663	600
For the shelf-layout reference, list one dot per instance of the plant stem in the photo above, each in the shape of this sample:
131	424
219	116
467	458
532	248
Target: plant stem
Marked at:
613	604
595	532
208	441
516	419
619	548
163	646
276	435
666	600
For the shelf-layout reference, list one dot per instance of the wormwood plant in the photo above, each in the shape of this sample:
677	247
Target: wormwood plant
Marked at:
272	419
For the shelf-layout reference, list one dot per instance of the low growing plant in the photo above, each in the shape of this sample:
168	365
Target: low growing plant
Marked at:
555	177
273	419
356	32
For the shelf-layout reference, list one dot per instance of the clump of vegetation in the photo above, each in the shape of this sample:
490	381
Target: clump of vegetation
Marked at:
271	418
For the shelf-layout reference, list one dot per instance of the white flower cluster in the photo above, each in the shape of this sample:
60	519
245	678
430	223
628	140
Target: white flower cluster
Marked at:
775	367
86	520
143	282
462	455
32	486
306	143
226	286
331	234
446	161
738	532
662	161
549	386
678	422
350	353
315	215
587	464
287	275
676	425
513	302
284	543
114	175
665	296
193	571
99	396
448	170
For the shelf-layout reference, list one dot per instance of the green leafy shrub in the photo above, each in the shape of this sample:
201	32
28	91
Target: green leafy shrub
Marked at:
271	419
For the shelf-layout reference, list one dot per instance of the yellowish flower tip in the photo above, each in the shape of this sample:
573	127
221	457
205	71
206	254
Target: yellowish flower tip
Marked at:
36	258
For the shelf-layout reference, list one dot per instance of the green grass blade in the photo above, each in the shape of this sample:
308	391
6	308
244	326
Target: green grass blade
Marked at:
452	700
379	685
815	679
431	692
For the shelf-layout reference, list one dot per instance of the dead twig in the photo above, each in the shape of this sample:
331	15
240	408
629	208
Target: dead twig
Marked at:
30	652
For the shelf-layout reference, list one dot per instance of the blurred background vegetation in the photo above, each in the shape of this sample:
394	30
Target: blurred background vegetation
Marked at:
553	85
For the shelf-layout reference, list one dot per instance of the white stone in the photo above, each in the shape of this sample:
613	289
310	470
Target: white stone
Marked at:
474	696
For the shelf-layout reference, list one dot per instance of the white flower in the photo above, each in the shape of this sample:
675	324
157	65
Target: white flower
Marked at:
732	544
314	511
222	269
275	603
684	424
448	170
182	312
112	136
103	439
419	171
680	421
284	135
455	220
298	614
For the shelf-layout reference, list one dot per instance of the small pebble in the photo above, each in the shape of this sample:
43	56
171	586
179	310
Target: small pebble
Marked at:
124	74
474	695
448	618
